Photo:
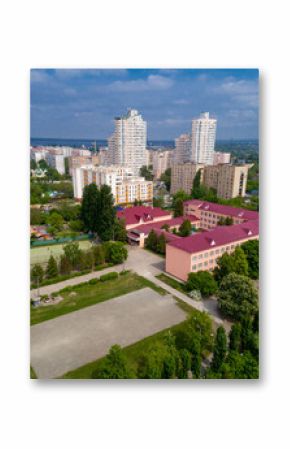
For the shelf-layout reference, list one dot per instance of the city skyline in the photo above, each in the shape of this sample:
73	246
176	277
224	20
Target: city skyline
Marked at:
81	103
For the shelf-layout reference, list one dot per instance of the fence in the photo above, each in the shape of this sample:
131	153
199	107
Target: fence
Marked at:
61	240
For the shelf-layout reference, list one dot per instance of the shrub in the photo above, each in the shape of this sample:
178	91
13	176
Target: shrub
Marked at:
109	276
123	272
93	281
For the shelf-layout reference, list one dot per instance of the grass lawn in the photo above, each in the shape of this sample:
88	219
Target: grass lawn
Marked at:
42	254
88	295
133	353
172	282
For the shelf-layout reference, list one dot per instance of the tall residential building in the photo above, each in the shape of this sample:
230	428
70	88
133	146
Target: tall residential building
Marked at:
182	176
127	146
221	158
56	161
149	156
161	162
228	180
203	139
182	152
126	188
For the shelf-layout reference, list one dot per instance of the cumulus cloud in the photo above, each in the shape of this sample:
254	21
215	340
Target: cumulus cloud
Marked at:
152	82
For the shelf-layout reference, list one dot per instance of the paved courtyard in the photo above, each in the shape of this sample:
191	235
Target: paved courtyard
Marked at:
72	340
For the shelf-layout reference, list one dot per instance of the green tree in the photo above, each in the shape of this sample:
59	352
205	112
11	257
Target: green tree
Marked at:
99	254
66	166
51	269
251	250
37	217
185	357
237	297
107	214
64	265
114	366
73	253
235	337
240	262
76	225
166	227
220	349
166	178
225	266
161	244
158	201
202	281
146	173
120	232
37	273
90	208
196	356
55	221
177	203
116	252
185	228
33	164
152	240
43	164
151	366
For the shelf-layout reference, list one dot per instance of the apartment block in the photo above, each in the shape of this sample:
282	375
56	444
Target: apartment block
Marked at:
125	187
127	146
228	180
161	162
182	152
182	176
221	158
56	161
203	139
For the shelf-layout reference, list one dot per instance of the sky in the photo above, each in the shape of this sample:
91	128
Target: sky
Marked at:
82	103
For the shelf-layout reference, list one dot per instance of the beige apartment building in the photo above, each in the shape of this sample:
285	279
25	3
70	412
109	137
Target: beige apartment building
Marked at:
125	187
228	180
221	158
182	176
161	162
182	152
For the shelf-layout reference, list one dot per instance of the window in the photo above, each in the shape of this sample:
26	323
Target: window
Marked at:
193	267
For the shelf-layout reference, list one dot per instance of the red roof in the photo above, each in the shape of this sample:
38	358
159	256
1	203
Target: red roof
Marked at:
231	211
146	228
219	236
133	215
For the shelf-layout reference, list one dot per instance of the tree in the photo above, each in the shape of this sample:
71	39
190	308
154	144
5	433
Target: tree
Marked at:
66	165
116	252
227	221
196	356
240	366
237	297
37	217
73	253
51	269
99	254
177	203
165	227
151	366
146	173
33	164
64	265
161	244
90	207
55	222
178	207
158	201
43	164
166	178
37	273
240	262
107	214
231	263
235	337
202	281
185	357
251	250
185	228
76	225
114	366
220	349
120	232
152	240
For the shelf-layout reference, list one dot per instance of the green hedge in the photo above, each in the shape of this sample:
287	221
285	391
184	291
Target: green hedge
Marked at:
109	276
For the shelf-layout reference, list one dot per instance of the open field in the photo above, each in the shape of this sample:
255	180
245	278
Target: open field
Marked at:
75	339
85	295
42	254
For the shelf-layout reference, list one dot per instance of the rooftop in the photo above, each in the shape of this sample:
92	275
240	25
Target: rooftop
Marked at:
219	236
137	214
224	210
146	228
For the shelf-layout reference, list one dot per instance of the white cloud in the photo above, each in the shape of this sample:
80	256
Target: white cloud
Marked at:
181	101
39	76
153	82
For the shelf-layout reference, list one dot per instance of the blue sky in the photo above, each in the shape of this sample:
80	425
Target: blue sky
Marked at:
81	103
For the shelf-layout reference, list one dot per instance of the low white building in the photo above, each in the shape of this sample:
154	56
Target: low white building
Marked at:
56	161
126	188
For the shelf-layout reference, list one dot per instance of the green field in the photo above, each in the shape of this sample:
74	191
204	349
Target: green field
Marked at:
42	254
88	295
